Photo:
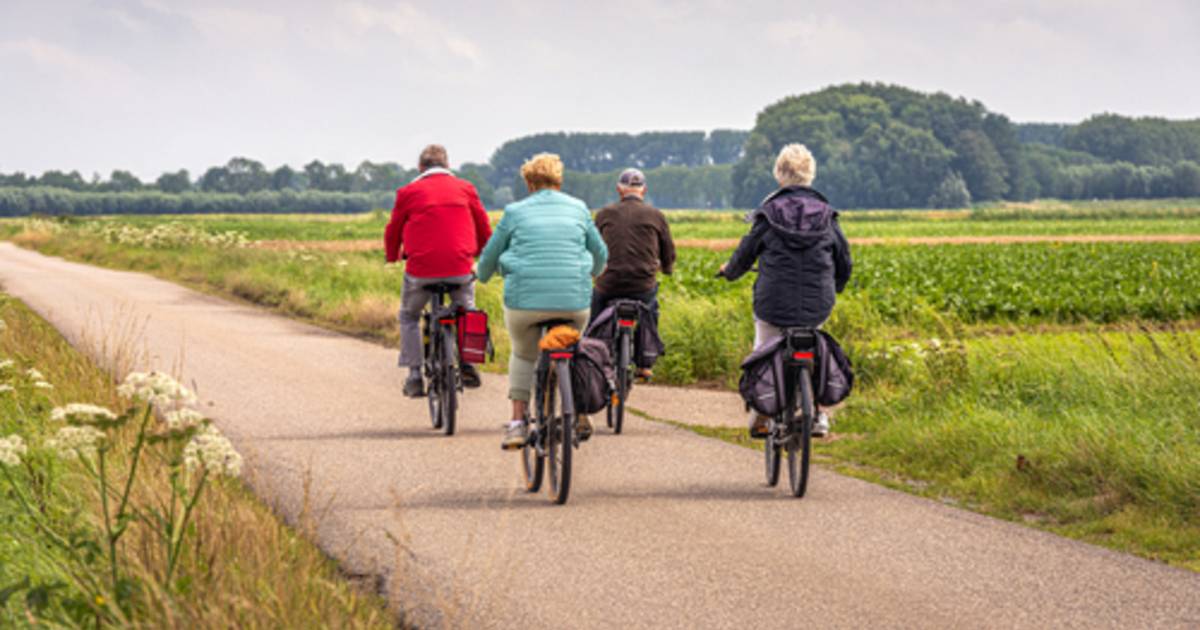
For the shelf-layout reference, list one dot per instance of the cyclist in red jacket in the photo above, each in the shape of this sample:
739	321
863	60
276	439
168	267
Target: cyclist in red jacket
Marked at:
438	226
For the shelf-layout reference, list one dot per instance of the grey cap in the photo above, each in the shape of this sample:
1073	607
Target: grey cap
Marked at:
631	178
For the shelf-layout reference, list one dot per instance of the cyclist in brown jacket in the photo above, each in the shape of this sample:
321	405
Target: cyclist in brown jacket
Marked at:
639	246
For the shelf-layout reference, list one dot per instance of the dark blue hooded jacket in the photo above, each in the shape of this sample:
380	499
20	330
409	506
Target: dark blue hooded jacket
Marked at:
803	257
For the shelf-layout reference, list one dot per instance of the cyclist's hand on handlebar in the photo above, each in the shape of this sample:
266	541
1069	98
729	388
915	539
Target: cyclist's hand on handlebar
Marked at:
721	271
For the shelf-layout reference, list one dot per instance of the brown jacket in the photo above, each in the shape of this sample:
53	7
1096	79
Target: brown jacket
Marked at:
639	245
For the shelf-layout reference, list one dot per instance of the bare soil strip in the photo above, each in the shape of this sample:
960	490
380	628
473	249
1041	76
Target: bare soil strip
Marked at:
723	244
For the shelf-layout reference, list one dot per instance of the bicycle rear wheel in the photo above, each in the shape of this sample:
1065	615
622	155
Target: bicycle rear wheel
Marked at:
449	384
771	456
799	446
622	381
559	443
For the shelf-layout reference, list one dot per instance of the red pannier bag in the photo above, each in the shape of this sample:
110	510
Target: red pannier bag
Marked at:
474	338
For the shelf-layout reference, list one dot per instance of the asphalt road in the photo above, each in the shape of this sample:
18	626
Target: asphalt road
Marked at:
664	529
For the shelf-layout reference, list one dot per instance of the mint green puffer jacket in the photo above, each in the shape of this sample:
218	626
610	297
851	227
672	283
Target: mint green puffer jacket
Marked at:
548	250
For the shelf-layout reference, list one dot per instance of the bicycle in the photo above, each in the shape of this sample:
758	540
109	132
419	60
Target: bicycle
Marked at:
627	312
784	430
791	428
552	434
441	362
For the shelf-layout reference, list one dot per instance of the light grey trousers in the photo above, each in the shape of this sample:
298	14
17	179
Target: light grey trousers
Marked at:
765	332
413	301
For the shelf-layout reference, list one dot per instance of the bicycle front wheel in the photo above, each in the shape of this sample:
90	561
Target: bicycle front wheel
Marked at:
771	453
533	465
799	446
433	396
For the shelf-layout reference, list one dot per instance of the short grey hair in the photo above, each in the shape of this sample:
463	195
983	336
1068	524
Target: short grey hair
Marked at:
432	156
795	166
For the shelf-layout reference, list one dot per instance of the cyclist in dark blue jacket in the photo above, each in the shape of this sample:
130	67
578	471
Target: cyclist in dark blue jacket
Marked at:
803	258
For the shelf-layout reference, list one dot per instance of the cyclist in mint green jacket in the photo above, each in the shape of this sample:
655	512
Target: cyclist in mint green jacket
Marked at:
548	250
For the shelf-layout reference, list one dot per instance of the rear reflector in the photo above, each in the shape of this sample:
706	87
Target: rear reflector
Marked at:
626	323
803	355
560	355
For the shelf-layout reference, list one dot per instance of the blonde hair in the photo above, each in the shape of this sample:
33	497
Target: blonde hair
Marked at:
544	170
795	166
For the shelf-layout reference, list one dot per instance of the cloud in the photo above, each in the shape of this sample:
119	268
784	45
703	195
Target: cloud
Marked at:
410	24
64	61
825	35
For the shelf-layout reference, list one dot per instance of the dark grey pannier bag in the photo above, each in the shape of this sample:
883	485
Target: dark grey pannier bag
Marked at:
835	377
592	375
760	373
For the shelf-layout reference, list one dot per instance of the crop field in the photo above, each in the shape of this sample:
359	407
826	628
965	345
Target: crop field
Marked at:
1080	357
1130	218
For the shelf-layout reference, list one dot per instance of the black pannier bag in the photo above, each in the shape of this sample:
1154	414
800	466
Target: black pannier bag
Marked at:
592	375
647	345
834	376
762	369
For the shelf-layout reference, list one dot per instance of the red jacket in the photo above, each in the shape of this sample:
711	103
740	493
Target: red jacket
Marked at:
441	223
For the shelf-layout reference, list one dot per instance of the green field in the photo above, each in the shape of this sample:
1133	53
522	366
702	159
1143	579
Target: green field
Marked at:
1076	360
1050	218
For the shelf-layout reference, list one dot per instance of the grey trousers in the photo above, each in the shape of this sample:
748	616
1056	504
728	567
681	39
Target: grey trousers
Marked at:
765	332
413	301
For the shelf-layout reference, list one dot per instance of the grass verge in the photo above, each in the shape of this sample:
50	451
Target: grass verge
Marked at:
1088	435
243	567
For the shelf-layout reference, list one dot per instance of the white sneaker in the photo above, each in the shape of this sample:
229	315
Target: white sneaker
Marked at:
821	426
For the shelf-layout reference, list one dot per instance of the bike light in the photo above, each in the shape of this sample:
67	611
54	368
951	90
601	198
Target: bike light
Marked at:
560	355
803	355
626	323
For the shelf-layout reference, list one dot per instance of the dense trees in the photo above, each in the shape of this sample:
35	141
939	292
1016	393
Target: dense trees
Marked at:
604	152
888	146
1145	141
666	186
884	146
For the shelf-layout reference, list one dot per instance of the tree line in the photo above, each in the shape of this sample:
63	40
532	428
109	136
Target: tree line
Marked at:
885	146
877	146
15	202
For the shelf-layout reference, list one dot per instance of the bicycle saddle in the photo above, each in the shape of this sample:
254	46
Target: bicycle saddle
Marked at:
627	309
442	287
558	321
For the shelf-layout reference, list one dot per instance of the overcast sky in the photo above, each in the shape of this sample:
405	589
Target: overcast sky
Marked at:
150	85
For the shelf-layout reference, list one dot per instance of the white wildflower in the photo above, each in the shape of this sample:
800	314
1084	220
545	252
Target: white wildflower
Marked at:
156	388
343	263
43	385
11	450
935	343
34	375
82	413
213	452
183	419
72	442
6	364
5	388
